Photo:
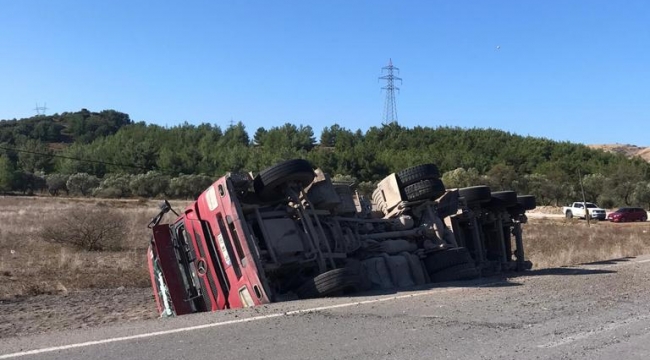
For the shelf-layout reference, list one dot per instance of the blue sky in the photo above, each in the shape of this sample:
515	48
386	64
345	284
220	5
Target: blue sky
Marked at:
565	70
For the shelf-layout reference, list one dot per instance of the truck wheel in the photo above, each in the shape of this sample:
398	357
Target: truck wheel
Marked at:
458	272
425	189
502	199
475	194
528	202
417	173
569	214
268	182
445	259
333	282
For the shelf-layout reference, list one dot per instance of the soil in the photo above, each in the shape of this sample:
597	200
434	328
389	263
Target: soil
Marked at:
75	310
625	149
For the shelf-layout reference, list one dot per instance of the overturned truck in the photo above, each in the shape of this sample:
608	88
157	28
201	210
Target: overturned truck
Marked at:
290	233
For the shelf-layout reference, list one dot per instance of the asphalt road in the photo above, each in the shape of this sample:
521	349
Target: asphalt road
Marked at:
596	311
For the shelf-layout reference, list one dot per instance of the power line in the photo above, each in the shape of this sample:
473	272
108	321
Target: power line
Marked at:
74	158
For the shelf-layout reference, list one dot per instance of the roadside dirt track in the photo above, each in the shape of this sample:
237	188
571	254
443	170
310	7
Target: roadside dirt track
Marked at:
594	311
76	310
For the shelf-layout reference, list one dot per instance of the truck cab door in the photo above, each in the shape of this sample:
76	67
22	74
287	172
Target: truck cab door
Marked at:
166	277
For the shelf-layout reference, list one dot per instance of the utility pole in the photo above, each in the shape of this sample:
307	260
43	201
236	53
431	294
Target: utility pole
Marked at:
584	201
390	107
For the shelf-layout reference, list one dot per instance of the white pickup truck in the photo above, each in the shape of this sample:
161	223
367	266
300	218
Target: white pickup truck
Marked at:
577	209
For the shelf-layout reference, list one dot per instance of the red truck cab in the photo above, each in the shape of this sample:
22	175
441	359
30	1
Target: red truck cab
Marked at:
203	261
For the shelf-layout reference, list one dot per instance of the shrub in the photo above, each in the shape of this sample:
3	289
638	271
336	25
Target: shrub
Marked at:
56	183
83	228
345	179
189	186
28	183
461	177
150	184
114	186
108	193
82	184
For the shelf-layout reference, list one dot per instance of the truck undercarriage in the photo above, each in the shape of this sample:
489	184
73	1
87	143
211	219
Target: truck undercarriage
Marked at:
290	232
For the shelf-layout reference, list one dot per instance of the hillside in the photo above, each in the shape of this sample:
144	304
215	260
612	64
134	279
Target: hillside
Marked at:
108	150
625	149
82	126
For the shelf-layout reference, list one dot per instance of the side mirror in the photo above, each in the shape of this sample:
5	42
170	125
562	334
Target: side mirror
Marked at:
165	206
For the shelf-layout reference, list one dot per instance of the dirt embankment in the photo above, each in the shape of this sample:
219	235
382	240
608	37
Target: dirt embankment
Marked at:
625	149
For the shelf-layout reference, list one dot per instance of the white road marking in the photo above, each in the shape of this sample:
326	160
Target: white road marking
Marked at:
580	336
239	321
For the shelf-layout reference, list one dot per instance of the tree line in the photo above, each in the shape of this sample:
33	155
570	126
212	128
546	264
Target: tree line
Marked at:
138	159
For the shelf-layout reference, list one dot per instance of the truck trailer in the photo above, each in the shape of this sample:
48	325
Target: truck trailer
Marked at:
290	232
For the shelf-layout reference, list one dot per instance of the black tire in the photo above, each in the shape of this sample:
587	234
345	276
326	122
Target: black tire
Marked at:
268	182
459	272
425	189
569	214
503	199
475	194
333	282
527	202
417	173
445	259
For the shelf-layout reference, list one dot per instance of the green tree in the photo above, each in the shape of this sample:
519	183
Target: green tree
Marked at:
80	158
623	180
34	156
259	136
594	185
7	174
540	186
501	177
235	135
641	194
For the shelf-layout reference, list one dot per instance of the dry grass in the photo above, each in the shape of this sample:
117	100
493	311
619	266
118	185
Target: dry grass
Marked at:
29	265
37	267
560	242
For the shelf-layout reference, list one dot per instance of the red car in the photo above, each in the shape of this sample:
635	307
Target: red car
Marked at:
628	214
